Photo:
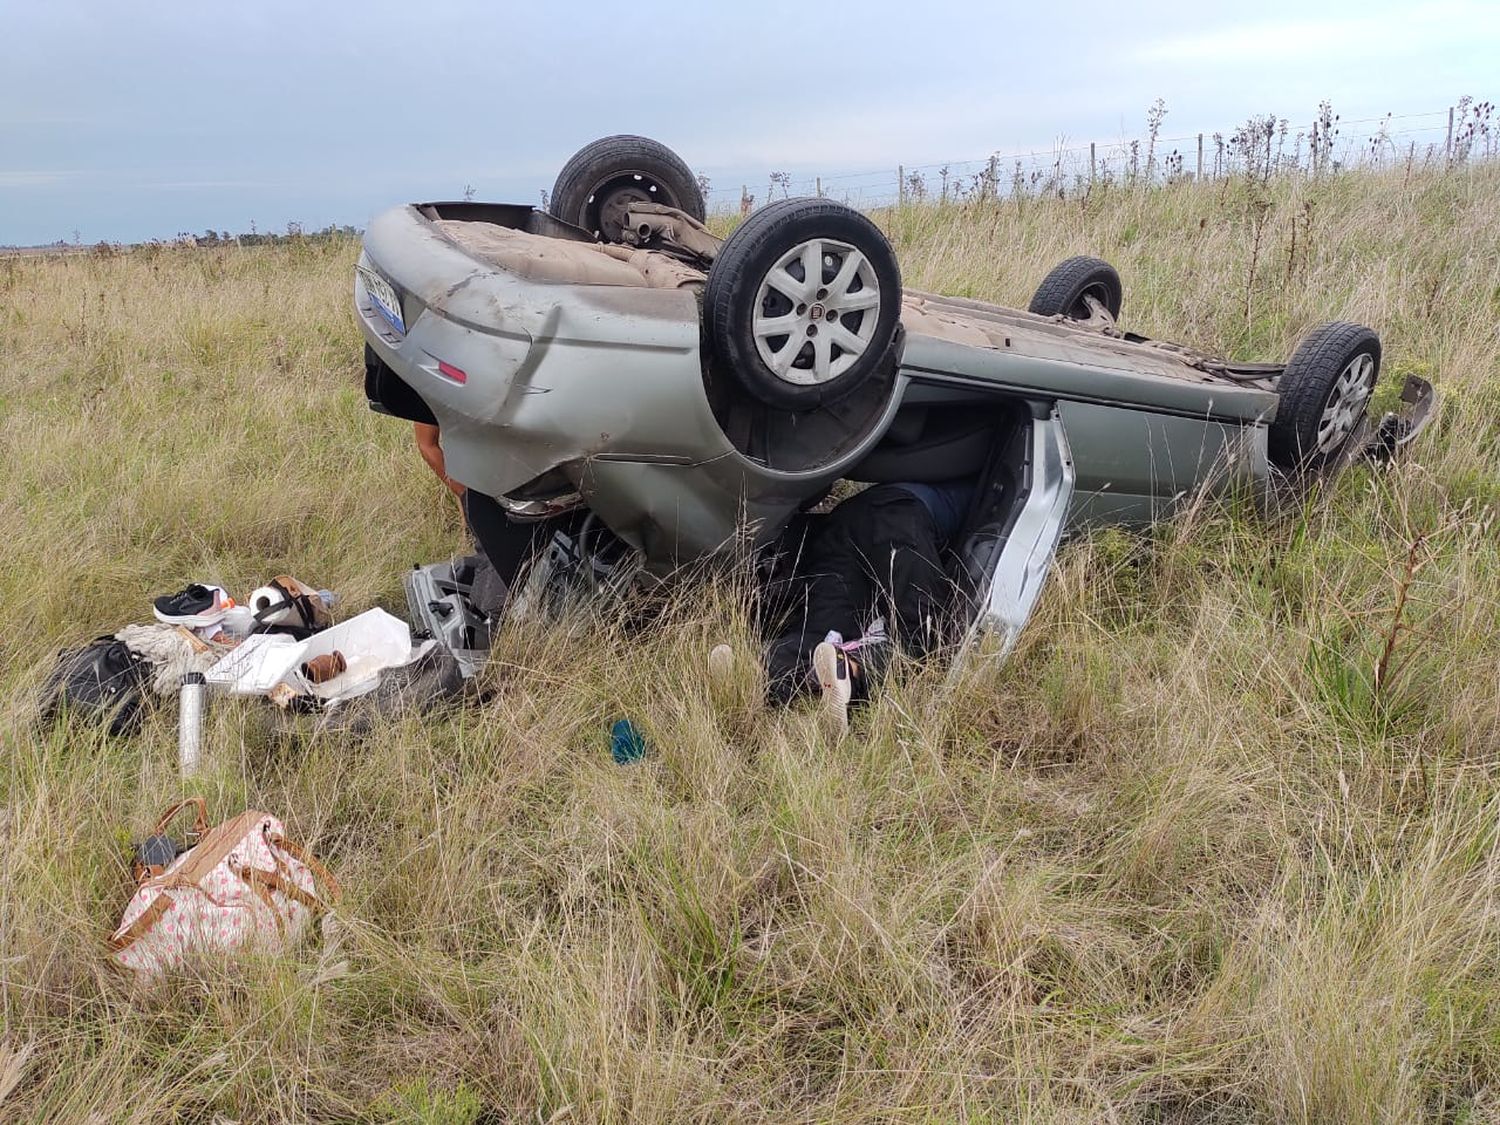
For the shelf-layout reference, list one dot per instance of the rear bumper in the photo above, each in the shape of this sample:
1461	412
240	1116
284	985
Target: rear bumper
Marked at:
1399	428
527	377
598	386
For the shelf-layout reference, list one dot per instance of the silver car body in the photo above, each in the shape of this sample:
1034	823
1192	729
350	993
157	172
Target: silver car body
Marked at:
549	362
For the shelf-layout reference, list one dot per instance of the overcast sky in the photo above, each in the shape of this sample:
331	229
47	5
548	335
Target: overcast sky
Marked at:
133	121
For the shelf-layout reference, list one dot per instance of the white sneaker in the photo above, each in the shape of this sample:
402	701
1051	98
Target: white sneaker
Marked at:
831	666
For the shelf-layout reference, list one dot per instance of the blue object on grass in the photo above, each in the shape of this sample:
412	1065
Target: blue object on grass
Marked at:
626	744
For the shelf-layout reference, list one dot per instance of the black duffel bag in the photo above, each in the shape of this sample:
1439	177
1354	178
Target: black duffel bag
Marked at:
103	679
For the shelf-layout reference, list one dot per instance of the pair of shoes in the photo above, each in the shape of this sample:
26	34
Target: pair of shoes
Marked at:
832	666
834	669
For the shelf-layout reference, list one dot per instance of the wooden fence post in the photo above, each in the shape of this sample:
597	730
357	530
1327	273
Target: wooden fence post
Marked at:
1091	164
820	187
901	185
1448	144
1200	157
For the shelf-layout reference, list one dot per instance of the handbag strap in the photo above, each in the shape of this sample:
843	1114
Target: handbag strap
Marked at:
313	864
144	921
263	883
200	817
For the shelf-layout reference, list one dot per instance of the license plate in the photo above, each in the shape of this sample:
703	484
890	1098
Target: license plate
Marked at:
383	297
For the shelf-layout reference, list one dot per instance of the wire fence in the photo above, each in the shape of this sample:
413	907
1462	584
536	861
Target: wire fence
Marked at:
1262	147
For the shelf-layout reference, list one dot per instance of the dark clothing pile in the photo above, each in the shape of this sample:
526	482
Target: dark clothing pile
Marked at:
876	555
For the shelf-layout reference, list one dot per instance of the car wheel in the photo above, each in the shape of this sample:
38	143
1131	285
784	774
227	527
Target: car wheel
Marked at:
1067	289
603	179
803	302
1324	394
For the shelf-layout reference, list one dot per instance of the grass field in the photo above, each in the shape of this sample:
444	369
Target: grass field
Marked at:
1219	843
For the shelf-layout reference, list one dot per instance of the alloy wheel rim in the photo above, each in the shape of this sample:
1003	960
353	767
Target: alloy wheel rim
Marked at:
1346	403
815	311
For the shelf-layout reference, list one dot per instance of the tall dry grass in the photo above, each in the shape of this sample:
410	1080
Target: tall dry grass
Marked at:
1182	858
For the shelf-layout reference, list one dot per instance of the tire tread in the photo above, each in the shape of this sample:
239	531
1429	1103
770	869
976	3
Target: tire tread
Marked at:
1304	385
625	148
1058	287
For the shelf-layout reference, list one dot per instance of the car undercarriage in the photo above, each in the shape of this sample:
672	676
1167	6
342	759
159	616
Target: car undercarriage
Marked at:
694	394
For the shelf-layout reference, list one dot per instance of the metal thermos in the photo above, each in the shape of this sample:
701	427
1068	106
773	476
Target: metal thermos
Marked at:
190	721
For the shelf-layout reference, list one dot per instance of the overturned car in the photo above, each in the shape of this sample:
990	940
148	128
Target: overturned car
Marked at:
693	393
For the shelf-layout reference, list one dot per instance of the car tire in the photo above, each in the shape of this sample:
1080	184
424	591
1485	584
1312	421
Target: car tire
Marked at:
759	284
1324	395
1063	292
603	178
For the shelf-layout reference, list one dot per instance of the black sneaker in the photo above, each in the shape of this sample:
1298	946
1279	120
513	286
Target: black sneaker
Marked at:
193	605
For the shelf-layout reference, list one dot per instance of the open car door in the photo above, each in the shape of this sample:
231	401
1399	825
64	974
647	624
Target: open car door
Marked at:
1008	559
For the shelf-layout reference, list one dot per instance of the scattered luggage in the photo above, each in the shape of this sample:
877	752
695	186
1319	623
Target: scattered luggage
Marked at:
283	644
104	680
243	886
240	886
432	680
366	645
